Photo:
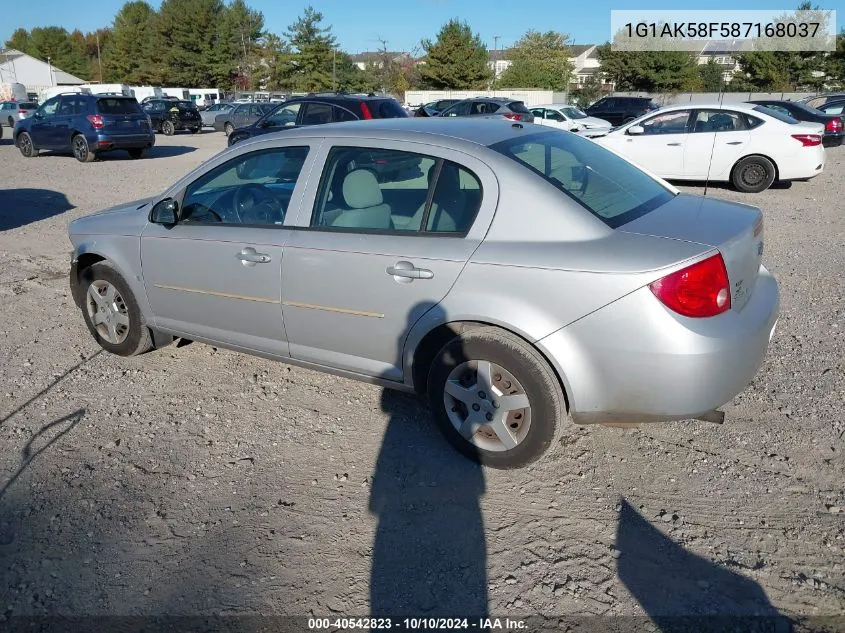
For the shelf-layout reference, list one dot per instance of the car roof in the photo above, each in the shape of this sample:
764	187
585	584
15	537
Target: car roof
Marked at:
447	131
741	107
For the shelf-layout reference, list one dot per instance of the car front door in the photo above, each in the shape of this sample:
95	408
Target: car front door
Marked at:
717	139
283	117
383	238
459	109
216	274
660	147
41	129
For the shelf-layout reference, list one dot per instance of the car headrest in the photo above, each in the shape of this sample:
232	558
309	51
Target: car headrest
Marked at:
361	190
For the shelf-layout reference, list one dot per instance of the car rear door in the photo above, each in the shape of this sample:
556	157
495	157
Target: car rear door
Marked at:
366	262
717	139
216	274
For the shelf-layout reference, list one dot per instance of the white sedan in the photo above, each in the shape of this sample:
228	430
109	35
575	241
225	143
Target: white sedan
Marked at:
568	117
748	146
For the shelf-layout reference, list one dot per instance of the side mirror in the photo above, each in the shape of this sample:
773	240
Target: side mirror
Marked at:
165	212
635	130
38	115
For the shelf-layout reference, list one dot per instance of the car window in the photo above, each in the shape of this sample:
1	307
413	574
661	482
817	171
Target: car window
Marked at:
342	114
316	114
253	188
667	123
284	116
603	183
718	121
386	109
783	118
834	108
49	107
66	106
554	115
117	106
573	112
518	106
483	107
459	109
368	189
538	112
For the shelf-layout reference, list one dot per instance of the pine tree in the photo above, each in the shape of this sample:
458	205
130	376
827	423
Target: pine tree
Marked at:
540	60
132	55
457	59
310	65
188	37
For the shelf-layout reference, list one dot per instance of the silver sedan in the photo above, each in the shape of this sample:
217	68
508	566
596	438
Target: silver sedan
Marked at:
518	278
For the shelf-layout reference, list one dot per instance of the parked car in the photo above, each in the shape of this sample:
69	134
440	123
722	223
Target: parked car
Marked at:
210	113
490	107
434	108
833	128
748	146
661	308
816	101
86	125
319	109
568	117
240	115
833	107
171	115
619	110
12	111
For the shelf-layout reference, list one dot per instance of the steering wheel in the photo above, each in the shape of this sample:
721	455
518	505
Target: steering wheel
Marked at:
255	204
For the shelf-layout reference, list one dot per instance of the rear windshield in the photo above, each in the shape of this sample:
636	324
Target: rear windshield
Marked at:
386	109
776	114
27	106
606	185
517	106
118	106
186	105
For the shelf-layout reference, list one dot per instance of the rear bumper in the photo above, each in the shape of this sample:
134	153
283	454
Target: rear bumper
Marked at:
107	142
803	163
833	140
636	361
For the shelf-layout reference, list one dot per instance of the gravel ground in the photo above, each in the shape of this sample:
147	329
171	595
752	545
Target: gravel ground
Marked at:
192	480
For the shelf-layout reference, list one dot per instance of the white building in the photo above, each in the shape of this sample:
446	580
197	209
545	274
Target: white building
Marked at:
33	73
722	52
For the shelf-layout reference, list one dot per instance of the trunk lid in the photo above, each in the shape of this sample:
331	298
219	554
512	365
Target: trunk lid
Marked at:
735	229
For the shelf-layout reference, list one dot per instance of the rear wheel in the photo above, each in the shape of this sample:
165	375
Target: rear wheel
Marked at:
168	128
111	312
136	152
753	174
194	130
26	146
495	398
228	129
81	151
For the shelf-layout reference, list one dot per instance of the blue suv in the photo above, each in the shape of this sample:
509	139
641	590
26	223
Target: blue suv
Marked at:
85	125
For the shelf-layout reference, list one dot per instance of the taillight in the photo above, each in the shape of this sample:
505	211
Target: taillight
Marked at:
834	125
700	290
365	111
513	116
808	140
96	120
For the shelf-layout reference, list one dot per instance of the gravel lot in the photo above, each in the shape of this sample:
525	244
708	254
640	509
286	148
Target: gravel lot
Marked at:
193	480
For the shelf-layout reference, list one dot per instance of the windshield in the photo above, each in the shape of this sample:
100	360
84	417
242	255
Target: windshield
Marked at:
776	114
573	113
608	186
185	105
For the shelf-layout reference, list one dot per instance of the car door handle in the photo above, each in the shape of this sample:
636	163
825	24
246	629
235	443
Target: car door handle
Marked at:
249	257
674	144
406	270
733	143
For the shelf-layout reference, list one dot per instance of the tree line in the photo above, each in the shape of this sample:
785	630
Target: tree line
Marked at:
211	43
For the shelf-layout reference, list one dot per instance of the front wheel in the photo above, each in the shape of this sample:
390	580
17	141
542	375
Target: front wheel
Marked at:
495	398
111	312
81	151
26	146
753	174
168	128
136	152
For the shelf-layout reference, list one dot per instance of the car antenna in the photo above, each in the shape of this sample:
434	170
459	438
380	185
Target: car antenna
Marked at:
712	148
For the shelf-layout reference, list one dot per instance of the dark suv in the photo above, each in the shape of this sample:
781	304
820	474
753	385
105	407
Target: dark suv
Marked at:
86	125
171	115
619	110
315	109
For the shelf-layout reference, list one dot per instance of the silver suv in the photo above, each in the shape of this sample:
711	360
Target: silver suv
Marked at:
491	108
13	111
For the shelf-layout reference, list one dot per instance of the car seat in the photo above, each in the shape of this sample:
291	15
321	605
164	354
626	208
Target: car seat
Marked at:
448	204
366	208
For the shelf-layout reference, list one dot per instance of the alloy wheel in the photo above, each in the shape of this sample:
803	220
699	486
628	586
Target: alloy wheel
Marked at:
80	148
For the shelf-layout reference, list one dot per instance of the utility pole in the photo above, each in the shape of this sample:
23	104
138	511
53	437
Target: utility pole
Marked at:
50	67
99	60
495	57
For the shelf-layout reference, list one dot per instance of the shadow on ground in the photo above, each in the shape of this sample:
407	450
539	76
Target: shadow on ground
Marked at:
19	207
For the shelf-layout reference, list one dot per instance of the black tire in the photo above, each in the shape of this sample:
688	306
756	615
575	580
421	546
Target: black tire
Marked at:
168	128
11	122
526	365
136	152
228	129
81	151
753	174
138	339
194	130
26	146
